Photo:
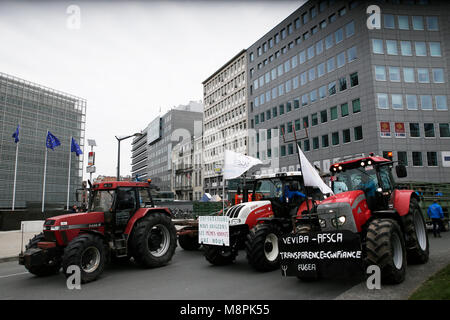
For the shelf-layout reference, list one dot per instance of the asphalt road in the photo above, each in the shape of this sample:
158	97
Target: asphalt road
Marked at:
190	277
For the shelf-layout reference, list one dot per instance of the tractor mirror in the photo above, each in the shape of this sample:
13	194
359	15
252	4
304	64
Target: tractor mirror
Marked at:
401	171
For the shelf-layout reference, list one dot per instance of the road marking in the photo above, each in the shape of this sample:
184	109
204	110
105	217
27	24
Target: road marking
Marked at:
14	274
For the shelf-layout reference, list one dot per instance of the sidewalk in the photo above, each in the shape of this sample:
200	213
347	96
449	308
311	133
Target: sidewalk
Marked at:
10	244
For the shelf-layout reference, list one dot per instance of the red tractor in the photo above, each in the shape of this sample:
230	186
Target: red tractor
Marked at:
368	220
121	222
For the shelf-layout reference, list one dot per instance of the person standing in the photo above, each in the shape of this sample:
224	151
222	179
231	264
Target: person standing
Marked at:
435	213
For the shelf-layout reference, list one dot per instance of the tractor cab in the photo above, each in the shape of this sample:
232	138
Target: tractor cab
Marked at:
372	175
119	201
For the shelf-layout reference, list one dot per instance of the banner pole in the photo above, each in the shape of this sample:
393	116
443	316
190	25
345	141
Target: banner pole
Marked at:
45	172
15	178
68	178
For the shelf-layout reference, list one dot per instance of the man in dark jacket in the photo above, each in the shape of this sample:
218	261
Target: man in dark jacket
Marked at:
435	213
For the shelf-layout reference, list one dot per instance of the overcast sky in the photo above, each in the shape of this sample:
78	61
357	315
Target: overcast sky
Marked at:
129	59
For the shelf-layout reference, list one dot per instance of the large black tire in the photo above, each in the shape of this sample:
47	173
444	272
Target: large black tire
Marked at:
154	240
262	247
417	244
218	255
42	270
188	242
385	247
87	251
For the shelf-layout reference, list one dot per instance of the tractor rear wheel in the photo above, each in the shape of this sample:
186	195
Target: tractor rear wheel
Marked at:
188	242
87	251
385	247
42	270
219	256
417	243
154	240
262	247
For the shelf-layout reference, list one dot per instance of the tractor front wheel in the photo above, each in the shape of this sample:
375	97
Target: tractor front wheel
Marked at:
385	247
262	247
218	255
417	243
87	252
154	240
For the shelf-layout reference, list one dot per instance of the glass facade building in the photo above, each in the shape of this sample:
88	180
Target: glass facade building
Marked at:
36	109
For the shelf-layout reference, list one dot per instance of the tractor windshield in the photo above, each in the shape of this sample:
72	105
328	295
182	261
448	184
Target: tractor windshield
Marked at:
362	178
102	200
267	189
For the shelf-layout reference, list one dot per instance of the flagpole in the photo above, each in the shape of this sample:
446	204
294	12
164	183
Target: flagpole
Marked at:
68	178
223	195
45	172
15	177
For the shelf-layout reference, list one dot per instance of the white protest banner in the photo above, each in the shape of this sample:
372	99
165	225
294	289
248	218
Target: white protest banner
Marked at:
236	164
214	230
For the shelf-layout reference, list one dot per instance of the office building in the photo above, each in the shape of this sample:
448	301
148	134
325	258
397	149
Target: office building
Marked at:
36	109
347	88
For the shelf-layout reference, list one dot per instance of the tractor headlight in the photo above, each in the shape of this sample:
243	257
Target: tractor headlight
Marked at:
235	222
54	228
338	222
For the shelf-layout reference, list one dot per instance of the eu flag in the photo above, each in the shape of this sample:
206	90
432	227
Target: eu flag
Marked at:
16	135
75	148
52	141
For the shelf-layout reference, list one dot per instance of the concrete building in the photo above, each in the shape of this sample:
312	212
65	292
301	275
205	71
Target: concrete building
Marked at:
355	89
225	118
36	109
152	152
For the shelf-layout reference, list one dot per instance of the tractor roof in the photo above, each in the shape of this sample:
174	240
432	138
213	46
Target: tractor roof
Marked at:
115	184
278	175
373	159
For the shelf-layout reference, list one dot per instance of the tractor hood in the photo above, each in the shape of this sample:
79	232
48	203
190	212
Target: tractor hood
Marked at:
347	197
248	212
75	221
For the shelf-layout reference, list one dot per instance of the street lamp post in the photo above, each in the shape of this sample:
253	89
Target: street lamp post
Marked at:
138	134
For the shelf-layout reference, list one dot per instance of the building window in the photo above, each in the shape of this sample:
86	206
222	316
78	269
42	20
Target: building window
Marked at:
405	47
389	22
380	73
297	125
429	130
411	102
323	116
289	127
295	82
344	110
297	23
330	64
290	149
358	133
281	109
268	115
322	92
305	17
306	145
421	48
435	49
303	78
296	103
251	57
339	35
271	43
335	138
377	46
314	119
325	142
408	75
333	113
422	75
354	79
340	59
313	96
304	100
332	88
432	24
346	136
312	74
274	112
351	54
289	28
257	119
382	101
315	143
277	38
306	35
391	47
417	22
321	69
414	130
288	106
319	47
356	105
314	30
305	122
313	11
438	75
432	159
283	151
262	117
329	41
323	24
403	22
444	130
394	74
310	52
302	56
397	101
441	102
342	11
350	29
402	157
332	18
417	158
426	102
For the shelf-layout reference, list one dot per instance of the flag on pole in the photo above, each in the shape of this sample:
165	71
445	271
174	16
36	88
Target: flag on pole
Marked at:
16	135
236	164
75	148
310	176
52	141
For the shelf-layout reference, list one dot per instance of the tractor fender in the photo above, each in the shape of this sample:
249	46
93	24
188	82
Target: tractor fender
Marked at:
94	232
142	212
402	198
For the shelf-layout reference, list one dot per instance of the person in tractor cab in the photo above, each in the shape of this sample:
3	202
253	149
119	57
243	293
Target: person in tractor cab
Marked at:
436	214
292	197
368	186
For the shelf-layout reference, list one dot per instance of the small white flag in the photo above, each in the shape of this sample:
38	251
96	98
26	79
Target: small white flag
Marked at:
236	164
310	176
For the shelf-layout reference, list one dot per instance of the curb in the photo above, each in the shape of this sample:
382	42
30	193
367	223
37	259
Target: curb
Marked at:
8	259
